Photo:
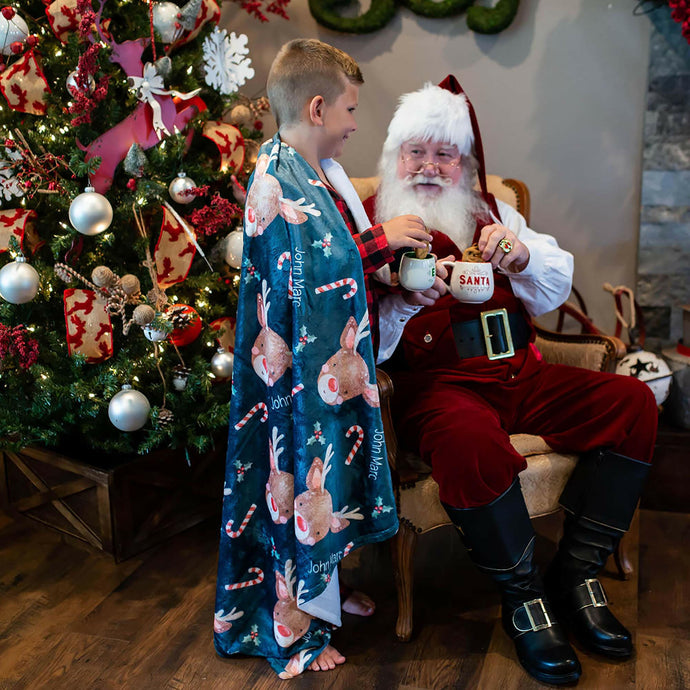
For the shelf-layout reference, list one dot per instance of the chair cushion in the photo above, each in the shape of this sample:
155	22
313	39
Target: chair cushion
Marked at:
542	483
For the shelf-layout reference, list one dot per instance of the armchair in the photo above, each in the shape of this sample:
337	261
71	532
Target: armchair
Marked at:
417	496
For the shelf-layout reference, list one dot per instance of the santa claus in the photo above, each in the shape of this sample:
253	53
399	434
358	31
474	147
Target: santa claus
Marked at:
468	375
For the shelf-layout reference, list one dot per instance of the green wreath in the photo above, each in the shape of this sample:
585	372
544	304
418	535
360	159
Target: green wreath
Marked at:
491	20
437	10
376	17
483	20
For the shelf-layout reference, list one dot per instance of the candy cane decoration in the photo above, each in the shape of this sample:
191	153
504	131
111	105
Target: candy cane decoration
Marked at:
285	256
358	442
298	388
348	548
339	283
247	518
248	583
251	413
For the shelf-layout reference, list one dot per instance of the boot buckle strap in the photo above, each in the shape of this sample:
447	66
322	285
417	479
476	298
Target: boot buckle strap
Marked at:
592	589
537	616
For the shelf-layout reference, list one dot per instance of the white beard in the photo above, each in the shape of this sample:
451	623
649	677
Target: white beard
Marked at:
453	211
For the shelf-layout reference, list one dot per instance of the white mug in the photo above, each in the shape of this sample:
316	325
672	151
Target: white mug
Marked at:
470	281
416	274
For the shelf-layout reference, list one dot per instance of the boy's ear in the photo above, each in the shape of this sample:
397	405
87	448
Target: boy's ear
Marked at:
316	110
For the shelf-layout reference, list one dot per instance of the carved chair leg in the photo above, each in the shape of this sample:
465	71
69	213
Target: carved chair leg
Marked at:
402	547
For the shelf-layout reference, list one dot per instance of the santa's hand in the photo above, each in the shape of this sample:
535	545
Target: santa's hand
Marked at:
502	248
406	231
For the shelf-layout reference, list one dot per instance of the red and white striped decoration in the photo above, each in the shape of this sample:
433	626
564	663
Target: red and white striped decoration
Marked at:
299	387
247	518
360	437
259	406
339	283
285	256
248	583
348	548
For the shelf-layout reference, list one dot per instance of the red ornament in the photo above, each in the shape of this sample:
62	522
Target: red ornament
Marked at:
16	47
258	125
32	41
8	12
131	184
188	333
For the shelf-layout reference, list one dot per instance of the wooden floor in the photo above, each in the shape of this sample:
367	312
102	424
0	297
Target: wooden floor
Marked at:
70	618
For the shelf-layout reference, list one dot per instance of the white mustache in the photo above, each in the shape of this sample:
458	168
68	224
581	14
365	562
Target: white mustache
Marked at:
420	178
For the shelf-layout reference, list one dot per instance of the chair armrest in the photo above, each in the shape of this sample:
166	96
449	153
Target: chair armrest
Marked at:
385	386
586	350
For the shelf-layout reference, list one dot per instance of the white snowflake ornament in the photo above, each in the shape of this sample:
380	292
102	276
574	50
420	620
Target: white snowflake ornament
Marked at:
227	68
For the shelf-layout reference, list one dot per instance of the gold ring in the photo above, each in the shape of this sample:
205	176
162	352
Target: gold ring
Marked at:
505	245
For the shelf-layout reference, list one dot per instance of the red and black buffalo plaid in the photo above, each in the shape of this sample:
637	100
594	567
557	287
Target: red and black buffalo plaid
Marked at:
374	252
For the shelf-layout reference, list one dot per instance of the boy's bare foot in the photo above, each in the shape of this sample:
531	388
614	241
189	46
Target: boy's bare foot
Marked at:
327	660
358	604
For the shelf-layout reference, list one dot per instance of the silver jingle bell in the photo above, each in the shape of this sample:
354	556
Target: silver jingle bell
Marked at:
221	364
19	281
129	409
179	187
90	213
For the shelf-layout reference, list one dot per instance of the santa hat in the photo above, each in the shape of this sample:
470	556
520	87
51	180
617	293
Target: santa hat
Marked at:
431	113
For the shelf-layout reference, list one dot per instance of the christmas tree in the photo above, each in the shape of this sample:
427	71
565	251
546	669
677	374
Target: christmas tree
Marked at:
125	144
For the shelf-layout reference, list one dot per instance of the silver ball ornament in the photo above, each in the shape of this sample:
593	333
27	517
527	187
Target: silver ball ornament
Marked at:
14	30
90	213
19	281
178	189
233	248
129	409
221	364
166	21
74	88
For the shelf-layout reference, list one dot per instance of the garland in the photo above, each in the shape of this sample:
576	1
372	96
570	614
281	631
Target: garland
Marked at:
485	20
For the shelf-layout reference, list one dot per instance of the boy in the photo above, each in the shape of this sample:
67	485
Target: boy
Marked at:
307	476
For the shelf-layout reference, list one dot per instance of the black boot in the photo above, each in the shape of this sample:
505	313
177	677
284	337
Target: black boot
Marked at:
500	541
600	500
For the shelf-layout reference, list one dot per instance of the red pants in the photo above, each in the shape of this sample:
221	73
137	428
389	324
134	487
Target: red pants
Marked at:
461	427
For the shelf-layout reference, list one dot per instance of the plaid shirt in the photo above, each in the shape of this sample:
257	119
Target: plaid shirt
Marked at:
374	252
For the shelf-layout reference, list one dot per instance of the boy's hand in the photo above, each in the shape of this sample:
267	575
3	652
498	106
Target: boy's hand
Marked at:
438	289
406	231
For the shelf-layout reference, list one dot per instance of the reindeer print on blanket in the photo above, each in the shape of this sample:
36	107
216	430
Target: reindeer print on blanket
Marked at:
346	375
270	354
314	514
305	423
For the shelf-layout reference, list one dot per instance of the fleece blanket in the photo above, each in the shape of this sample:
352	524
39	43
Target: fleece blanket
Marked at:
307	477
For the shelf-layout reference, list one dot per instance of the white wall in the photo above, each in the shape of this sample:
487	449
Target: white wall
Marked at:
560	97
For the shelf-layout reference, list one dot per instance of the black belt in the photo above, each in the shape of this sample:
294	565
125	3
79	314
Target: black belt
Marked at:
496	334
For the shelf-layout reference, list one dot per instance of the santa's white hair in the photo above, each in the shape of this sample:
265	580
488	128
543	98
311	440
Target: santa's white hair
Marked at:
431	114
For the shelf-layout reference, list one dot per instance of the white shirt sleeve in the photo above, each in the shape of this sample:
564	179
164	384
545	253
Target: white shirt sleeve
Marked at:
547	279
394	313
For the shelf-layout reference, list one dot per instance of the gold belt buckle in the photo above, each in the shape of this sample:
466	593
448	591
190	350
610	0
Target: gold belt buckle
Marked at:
503	315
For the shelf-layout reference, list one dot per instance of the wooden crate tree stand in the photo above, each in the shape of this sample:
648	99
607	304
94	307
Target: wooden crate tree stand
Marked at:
120	505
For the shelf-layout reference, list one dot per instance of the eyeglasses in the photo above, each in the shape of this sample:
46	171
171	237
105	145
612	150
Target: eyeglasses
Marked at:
444	162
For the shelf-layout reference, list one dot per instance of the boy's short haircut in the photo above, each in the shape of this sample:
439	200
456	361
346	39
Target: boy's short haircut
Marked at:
304	68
